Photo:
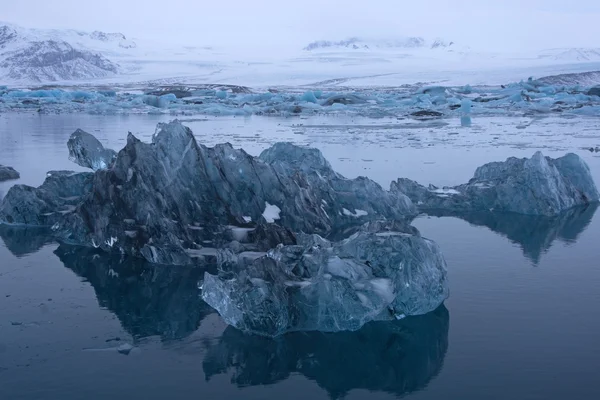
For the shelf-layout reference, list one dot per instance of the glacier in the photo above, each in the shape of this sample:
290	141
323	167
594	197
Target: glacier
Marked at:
535	186
8	173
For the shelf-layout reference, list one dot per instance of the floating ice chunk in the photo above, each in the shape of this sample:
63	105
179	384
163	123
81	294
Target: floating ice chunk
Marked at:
159	101
87	151
309	97
319	285
271	213
8	173
536	186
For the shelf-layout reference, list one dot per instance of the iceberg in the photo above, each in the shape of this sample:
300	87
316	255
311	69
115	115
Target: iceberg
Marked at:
152	200
534	186
8	173
87	151
385	271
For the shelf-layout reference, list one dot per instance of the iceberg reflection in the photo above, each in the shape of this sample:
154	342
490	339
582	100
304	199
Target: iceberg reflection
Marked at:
394	357
149	300
534	233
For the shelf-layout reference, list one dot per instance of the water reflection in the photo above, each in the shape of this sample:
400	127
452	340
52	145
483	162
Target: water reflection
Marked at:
397	358
24	240
149	300
535	234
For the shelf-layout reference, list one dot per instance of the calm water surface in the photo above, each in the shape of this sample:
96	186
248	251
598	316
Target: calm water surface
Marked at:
521	321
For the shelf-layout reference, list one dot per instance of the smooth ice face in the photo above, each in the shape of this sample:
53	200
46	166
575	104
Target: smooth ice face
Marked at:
535	186
87	151
8	173
385	271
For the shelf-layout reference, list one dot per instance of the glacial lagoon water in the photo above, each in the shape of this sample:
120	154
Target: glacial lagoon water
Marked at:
521	321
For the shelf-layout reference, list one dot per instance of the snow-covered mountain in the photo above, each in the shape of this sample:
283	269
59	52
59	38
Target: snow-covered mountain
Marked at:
34	55
356	43
31	57
571	54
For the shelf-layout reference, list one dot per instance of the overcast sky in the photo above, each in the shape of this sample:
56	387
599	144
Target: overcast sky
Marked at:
496	24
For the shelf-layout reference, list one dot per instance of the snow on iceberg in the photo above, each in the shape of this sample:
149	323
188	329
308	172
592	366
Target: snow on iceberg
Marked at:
534	186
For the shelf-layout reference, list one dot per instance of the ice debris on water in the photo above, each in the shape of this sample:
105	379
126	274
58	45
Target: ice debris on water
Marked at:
531	96
385	271
534	186
87	151
8	173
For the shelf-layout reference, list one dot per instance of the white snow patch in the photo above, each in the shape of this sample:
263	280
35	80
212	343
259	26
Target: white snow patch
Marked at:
388	234
240	234
384	288
356	214
271	213
446	191
363	299
299	284
247	219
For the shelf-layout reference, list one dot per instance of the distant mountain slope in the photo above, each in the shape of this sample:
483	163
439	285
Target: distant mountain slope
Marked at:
591	78
32	55
356	43
571	54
